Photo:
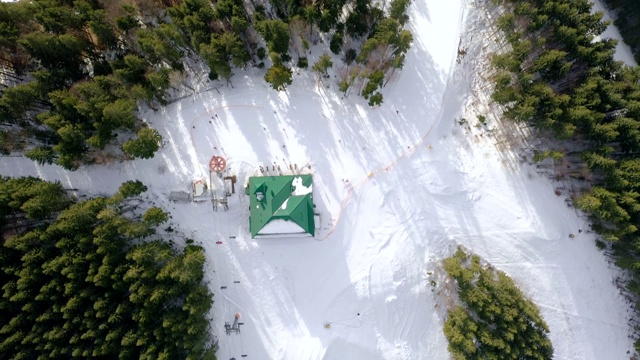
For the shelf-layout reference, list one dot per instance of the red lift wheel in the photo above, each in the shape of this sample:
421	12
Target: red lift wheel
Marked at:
217	164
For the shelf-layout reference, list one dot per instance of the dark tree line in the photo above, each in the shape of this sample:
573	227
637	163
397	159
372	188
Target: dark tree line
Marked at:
494	320
558	79
226	35
87	279
76	71
77	78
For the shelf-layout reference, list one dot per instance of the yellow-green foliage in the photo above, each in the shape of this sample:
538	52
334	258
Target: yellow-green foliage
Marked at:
495	320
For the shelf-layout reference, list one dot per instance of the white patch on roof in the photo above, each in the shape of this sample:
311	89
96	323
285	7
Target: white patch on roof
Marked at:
284	204
281	226
300	189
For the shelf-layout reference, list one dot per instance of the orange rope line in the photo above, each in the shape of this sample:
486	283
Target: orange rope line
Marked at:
370	175
373	173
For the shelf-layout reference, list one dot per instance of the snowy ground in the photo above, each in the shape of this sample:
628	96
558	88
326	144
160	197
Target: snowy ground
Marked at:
623	51
398	188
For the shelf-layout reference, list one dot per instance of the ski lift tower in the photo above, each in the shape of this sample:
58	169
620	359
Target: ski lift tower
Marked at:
217	165
235	327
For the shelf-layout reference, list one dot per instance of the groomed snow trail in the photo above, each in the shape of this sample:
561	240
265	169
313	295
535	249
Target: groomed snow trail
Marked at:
398	188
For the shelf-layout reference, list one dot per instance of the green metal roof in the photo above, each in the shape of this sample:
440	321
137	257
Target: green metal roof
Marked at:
267	196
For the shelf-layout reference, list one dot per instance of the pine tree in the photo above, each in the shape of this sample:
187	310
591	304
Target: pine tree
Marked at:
103	30
276	34
155	216
19	99
323	64
131	188
398	10
163	43
129	20
145	145
279	76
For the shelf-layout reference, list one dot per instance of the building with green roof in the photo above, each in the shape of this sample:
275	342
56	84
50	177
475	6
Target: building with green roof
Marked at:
281	205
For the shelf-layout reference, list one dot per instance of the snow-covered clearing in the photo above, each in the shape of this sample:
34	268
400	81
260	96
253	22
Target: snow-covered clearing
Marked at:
398	188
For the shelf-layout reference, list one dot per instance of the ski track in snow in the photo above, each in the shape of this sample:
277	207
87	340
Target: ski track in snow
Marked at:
398	188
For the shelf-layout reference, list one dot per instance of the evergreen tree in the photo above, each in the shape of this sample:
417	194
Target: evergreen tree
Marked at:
398	10
155	216
56	52
17	100
145	145
163	43
193	18
323	64
336	42
103	30
42	155
131	189
279	76
276	34
222	52
128	21
374	82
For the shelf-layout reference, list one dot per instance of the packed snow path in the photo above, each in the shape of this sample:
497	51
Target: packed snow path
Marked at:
398	188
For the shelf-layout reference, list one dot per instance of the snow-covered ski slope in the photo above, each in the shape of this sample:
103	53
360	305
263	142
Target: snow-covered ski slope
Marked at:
398	188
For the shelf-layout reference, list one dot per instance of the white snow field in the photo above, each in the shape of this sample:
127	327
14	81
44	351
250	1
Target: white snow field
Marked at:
398	188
